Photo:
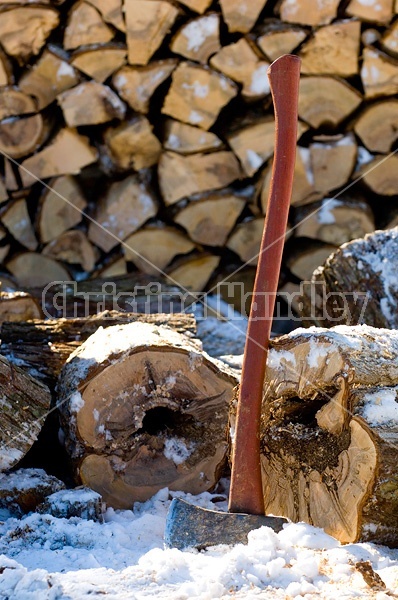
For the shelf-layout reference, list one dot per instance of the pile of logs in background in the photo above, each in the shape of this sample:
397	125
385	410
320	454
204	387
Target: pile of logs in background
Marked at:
150	126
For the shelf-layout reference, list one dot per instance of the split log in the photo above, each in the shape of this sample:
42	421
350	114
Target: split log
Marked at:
90	103
133	144
13	103
114	267
24	30
241	15
278	38
31	268
389	41
234	284
381	175
68	153
379	73
334	221
375	12
22	136
240	62
3	191
25	403
10	178
357	284
333	50
326	100
61	207
111	11
42	347
333	389
186	139
246	239
333	160
125	207
198	39
377	126
4	247
85	26
23	490
197	95
301	12
253	144
147	24
308	256
99	62
16	219
182	176
163	420
136	85
153	247
50	76
6	76
198	6
81	502
210	219
73	248
18	306
193	272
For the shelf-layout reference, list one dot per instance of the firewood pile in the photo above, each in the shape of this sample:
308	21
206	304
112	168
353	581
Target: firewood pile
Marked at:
138	134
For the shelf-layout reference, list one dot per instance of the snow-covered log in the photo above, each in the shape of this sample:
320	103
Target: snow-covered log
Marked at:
143	408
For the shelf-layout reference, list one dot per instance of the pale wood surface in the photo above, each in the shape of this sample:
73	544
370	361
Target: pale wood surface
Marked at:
198	39
133	144
90	103
101	62
85	26
377	126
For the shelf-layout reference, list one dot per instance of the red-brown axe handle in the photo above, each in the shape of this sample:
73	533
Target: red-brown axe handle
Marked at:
246	493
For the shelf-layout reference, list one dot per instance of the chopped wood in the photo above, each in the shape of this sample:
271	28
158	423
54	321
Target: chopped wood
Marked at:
26	402
198	39
181	176
72	247
241	15
163	419
328	389
333	50
24	30
16	219
31	268
22	136
326	100
60	207
6	76
136	85
133	144
209	220
197	95
193	272
85	26
126	206
278	38
90	103
186	139
153	247
303	13
4	247
47	78
198	6
375	12
81	502
3	191
333	160
100	62
240	62
305	258
246	239
10	179
7	283
18	306
379	73
111	11
147	24
234	283
23	490
334	221
68	153
389	41
253	144
13	102
377	126
381	175
113	267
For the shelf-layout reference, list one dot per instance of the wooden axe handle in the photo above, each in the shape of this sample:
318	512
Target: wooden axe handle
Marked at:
246	494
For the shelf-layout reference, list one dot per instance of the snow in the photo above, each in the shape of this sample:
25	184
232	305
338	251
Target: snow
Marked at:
324	215
199	30
259	81
176	449
255	161
65	69
381	407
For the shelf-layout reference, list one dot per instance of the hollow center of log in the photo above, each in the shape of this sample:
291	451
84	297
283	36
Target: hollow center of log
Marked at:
161	419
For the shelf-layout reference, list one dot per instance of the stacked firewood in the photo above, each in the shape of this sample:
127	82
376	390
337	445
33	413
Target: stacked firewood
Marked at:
138	134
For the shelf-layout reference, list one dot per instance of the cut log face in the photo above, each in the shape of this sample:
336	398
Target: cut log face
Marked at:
381	175
125	207
376	12
322	390
379	73
198	39
198	6
85	26
301	12
152	248
253	144
33	269
303	262
111	11
90	103
100	63
68	154
333	50
60	208
16	219
18	306
377	126
186	139
278	38
48	77
333	161
6	76
72	247
13	102
241	15
24	407
181	176
147	25
136	85
246	240
325	100
24	30
193	273
389	41
210	220
133	144
163	420
197	95
19	137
